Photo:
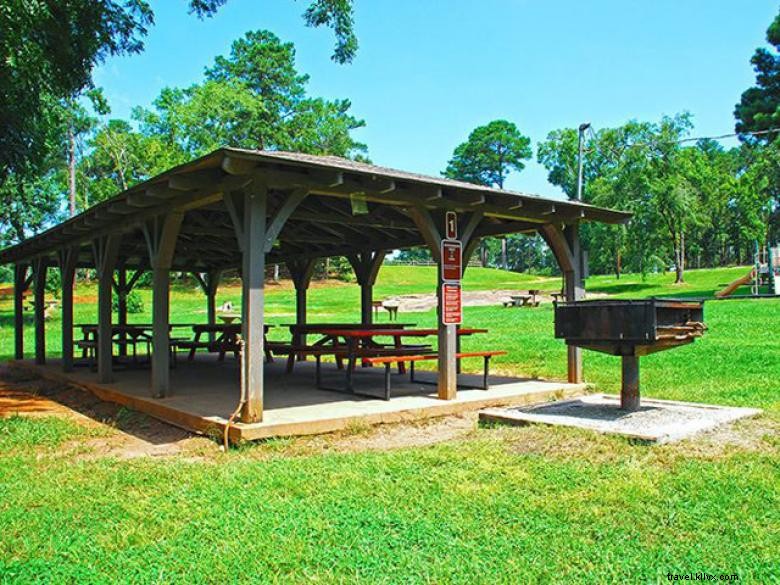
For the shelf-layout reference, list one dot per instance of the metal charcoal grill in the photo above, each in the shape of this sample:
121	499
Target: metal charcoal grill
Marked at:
629	329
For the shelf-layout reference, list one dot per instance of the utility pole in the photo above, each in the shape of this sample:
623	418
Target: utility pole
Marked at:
584	126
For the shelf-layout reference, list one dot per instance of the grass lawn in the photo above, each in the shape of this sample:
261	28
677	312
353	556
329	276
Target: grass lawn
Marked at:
494	505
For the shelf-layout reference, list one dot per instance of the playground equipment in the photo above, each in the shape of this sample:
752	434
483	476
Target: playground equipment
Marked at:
765	272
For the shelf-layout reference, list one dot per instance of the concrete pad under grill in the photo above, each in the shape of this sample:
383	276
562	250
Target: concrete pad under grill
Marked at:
656	421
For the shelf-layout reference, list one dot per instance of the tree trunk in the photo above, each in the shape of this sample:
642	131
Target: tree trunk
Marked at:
72	169
680	260
618	266
503	254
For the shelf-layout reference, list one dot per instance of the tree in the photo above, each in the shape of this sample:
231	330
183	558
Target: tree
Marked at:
31	193
47	53
759	107
48	49
118	158
490	154
638	167
254	98
487	157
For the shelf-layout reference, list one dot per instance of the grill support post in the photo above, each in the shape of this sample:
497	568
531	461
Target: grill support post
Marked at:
629	391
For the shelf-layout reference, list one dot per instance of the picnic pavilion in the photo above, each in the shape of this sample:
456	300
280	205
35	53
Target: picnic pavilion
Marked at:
239	210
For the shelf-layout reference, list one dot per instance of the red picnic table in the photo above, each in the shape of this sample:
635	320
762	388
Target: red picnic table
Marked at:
353	338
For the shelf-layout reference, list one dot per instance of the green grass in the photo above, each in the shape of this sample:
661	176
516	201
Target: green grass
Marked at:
22	433
502	505
474	511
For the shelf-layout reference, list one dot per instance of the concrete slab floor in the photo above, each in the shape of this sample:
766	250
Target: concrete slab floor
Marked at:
206	391
657	421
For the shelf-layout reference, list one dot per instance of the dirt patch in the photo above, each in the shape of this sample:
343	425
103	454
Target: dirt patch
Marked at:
419	303
124	433
398	436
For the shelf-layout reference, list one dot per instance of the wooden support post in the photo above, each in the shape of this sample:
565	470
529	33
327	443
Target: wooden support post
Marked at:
40	268
301	272
629	391
213	278
122	288
565	245
161	234
106	250
68	258
366	265
575	291
21	284
448	383
253	319
209	283
121	304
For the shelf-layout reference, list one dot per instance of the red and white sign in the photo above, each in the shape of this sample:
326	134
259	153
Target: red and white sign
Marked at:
451	225
451	254
451	299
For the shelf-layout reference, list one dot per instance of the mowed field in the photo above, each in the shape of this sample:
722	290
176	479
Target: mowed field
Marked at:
487	505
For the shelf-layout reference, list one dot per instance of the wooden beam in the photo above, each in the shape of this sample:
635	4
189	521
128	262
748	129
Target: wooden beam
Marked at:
448	335
68	257
233	165
291	202
21	284
234	205
161	235
366	265
428	230
253	319
472	223
106	250
565	245
40	269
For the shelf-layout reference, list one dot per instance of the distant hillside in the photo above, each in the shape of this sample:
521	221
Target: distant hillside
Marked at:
422	279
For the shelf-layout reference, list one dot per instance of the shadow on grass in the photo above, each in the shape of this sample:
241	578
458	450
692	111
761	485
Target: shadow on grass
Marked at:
24	393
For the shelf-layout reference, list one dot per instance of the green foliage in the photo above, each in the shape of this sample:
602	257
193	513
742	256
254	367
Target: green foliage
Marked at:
490	154
47	53
700	204
134	301
254	98
487	157
334	14
759	106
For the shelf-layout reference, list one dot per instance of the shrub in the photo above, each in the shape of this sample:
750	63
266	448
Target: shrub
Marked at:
135	304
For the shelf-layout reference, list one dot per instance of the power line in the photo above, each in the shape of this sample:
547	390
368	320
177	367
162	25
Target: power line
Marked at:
681	140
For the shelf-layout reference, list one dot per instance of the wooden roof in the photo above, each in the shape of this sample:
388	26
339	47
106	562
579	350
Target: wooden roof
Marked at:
323	224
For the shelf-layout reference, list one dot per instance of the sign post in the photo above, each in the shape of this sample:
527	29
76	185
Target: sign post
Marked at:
450	313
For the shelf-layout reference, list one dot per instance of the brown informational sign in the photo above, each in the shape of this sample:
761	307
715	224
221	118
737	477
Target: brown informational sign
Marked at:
451	225
451	298
451	254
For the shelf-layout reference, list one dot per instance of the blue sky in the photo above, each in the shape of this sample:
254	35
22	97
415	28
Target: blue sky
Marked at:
429	71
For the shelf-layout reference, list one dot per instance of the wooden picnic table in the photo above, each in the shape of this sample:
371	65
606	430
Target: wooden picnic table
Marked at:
355	338
299	333
121	335
226	340
528	300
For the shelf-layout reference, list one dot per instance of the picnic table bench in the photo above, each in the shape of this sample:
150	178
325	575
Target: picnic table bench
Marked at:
359	344
388	360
